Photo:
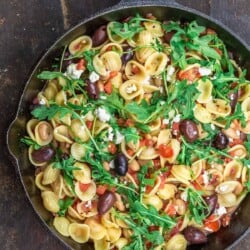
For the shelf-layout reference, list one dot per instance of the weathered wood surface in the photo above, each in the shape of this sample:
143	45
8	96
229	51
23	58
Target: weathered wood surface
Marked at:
27	29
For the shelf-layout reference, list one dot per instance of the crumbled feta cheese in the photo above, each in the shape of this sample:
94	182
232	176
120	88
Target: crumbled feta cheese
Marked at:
73	72
119	137
230	139
103	97
205	71
146	80
223	188
88	203
112	164
42	102
161	89
131	88
184	196
205	177
165	121
170	72
102	114
212	126
237	132
110	134
94	77
221	210
177	118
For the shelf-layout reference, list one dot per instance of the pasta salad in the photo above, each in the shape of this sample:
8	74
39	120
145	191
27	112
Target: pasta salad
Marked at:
140	135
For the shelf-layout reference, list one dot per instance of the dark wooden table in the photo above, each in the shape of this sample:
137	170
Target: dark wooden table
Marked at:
27	29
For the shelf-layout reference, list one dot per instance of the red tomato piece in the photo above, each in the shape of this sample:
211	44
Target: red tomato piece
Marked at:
80	65
100	190
108	87
84	187
112	148
166	150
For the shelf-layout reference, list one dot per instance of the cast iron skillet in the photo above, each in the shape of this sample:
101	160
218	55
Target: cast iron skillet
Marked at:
164	10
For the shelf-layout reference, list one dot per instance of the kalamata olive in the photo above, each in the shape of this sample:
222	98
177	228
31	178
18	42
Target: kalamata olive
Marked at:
92	90
189	130
121	164
168	36
233	100
43	154
127	55
220	141
211	202
194	235
105	202
243	136
100	36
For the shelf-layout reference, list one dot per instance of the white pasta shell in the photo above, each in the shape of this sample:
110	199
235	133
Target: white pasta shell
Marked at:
245	105
154	201
57	187
121	243
227	200
148	153
244	92
43	133
80	45
181	173
77	151
111	61
218	107
86	195
205	87
91	211
113	37
38	182
156	63
61	98
202	114
50	174
100	126
79	232
155	187
74	214
232	170
79	130
244	175
148	88
154	28
65	120
117	80
246	129
102	244
30	127
113	47
51	90
144	38
177	242
130	89
227	187
108	222
140	74
97	230
143	53
50	201
238	151
61	134
61	224
155	126
197	168
167	192
163	137
77	100
99	66
114	233
82	175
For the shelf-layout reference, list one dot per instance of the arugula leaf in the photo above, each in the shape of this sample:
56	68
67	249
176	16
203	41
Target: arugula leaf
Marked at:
142	110
88	56
199	209
143	127
43	112
131	135
29	142
64	204
50	75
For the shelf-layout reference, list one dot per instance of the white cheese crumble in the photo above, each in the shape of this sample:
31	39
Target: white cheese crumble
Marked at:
237	132
110	134
146	80
73	72
102	114
205	177
103	97
184	196
170	72
161	89
205	71
112	164
42	102
223	188
94	77
131	88
119	138
221	210
230	139
88	203
165	121
177	118
212	126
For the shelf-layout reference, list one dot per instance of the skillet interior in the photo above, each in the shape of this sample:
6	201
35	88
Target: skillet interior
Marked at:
163	11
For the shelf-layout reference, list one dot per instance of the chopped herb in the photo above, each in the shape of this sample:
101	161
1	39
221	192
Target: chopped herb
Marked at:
29	142
64	204
131	135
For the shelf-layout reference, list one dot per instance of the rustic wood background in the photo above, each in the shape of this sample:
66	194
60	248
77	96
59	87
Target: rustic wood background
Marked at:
27	29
